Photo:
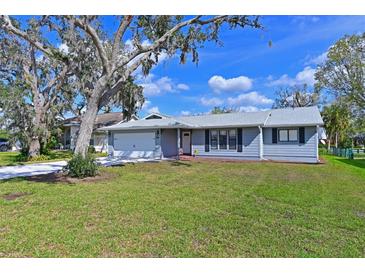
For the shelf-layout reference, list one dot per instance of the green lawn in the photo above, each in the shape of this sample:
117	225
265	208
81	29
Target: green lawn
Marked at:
192	209
11	158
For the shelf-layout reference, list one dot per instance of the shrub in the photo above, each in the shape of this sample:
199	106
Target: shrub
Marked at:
91	149
38	158
82	167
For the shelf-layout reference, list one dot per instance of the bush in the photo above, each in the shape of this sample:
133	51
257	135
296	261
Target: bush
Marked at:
82	167
91	149
38	158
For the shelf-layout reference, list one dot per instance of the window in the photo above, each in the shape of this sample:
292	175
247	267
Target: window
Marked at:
232	139
223	139
293	135
288	135
283	135
214	139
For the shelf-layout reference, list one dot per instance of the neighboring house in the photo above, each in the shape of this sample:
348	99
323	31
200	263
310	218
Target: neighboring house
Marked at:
277	134
99	139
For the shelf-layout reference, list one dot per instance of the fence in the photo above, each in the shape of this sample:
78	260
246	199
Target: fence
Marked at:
350	153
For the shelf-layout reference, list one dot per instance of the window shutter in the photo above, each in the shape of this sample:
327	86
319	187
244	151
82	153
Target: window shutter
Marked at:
239	139
301	135
274	135
207	140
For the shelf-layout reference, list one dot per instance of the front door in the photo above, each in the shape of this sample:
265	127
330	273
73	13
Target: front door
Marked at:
186	142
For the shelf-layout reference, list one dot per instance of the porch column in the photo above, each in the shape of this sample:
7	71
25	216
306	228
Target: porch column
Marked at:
178	141
261	144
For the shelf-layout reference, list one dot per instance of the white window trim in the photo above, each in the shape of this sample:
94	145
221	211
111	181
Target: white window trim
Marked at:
288	141
218	145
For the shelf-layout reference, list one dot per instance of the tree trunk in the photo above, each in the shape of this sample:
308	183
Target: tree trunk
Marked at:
86	127
34	147
35	144
336	140
329	143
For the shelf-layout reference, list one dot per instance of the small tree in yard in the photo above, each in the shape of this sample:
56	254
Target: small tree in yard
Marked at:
105	63
33	89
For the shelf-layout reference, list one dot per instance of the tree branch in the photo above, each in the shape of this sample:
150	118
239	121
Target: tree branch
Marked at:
55	83
119	34
7	25
95	38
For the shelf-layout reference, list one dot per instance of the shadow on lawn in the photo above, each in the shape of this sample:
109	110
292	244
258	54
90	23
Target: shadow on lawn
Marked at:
360	163
179	163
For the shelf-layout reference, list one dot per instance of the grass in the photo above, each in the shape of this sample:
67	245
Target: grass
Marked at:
11	158
192	209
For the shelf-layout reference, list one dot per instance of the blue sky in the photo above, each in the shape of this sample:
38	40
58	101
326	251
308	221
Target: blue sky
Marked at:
245	72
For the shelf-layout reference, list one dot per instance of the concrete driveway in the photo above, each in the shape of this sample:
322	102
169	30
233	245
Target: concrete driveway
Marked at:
52	167
30	170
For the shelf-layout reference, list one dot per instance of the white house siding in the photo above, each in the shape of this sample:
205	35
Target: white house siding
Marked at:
251	142
143	148
169	142
294	152
100	142
250	145
74	130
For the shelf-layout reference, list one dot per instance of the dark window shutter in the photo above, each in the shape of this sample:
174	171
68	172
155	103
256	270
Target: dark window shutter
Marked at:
207	140
274	135
239	139
301	135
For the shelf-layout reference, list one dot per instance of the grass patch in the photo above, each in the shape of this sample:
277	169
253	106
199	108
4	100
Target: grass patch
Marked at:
191	209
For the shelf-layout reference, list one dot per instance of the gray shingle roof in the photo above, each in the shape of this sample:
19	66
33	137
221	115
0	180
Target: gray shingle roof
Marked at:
226	119
103	119
270	118
294	116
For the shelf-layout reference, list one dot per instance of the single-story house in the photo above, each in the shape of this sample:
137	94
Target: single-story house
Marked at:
289	134
99	139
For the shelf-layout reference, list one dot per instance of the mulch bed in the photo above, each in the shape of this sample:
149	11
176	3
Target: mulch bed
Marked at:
14	195
63	178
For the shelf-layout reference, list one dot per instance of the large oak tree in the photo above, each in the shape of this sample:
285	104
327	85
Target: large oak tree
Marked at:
34	88
104	62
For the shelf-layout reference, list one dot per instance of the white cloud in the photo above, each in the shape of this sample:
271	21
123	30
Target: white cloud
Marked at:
214	101
146	105
153	110
317	60
152	87
219	84
185	112
183	86
306	76
251	98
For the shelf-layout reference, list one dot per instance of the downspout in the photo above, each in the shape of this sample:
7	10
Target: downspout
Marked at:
261	147
178	143
262	139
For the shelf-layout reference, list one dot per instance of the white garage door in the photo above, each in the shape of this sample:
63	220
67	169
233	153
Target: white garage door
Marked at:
135	145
